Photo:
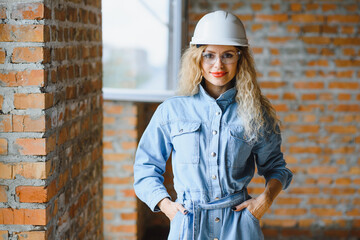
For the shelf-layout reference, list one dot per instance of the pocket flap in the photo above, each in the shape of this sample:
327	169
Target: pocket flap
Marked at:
239	134
180	128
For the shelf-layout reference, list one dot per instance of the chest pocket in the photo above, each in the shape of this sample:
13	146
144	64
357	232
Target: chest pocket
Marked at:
240	148
186	139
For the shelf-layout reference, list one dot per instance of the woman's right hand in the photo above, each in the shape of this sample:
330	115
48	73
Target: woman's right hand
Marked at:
170	208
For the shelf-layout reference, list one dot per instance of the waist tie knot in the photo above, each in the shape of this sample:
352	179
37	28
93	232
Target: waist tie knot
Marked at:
195	202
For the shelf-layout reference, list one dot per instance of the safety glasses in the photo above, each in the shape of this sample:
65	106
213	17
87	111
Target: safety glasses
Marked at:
226	58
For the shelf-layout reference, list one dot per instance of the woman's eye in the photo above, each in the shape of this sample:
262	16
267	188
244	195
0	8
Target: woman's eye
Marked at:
209	55
228	55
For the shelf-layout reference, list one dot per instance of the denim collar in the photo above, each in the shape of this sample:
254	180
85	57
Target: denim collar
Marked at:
223	100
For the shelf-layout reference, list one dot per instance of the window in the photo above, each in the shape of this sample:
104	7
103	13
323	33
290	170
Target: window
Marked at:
141	48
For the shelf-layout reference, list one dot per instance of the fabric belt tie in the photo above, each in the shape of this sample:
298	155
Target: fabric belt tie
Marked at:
228	201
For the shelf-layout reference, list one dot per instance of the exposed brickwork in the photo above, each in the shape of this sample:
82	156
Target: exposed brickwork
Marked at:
120	139
50	120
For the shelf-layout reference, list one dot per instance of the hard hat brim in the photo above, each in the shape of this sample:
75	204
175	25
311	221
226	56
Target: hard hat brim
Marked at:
229	42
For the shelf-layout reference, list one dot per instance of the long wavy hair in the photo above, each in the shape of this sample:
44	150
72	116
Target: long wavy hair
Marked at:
254	108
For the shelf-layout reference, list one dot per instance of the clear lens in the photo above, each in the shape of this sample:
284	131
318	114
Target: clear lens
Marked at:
226	58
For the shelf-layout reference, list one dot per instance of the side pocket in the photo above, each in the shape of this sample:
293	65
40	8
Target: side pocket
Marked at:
251	216
176	227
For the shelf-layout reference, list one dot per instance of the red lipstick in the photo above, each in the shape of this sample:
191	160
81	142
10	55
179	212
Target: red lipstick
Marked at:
218	74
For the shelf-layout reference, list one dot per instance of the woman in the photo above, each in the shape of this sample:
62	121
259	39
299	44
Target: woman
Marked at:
216	131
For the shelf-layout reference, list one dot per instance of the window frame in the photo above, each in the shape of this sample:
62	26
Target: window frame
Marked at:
176	40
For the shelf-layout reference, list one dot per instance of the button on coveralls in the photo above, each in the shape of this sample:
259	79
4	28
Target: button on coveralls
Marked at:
212	162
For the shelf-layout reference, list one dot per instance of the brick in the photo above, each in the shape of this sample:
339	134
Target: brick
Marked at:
281	107
123	228
236	5
309	85
33	100
3	146
345	108
5	123
32	194
343	181
322	201
311	29
304	190
307	18
5	171
32	170
279	40
33	235
347	30
346	41
271	84
3	194
28	11
343	18
291	232
306	128
256	27
117	156
309	149
1	102
113	109
28	55
288	200
322	170
319	62
328	7
2	56
272	17
325	212
308	97
27	123
344	85
279	222
339	191
293	28
290	211
317	40
31	78
296	7
347	63
129	216
32	146
341	129
23	216
2	12
118	180
21	33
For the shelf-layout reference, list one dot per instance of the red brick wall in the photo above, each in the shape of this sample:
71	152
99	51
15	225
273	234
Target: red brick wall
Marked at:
120	139
50	120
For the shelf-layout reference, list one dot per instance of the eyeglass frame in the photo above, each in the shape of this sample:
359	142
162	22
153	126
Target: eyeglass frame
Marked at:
238	53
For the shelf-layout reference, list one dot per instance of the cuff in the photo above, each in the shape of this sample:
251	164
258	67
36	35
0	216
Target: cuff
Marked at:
283	177
153	205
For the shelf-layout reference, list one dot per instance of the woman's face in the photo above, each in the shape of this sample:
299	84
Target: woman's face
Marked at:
219	66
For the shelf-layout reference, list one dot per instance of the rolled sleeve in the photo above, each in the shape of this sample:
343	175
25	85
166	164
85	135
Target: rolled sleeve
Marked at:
270	161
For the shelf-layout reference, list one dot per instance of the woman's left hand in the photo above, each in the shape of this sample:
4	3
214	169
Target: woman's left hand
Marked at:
256	206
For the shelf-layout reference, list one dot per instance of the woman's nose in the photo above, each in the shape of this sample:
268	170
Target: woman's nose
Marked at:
219	63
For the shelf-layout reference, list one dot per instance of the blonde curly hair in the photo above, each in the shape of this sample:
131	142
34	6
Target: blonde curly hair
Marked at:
254	108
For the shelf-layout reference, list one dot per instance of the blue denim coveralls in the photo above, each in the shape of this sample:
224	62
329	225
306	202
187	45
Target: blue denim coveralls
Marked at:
212	161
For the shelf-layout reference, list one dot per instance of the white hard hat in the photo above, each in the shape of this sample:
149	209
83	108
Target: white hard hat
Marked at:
219	28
